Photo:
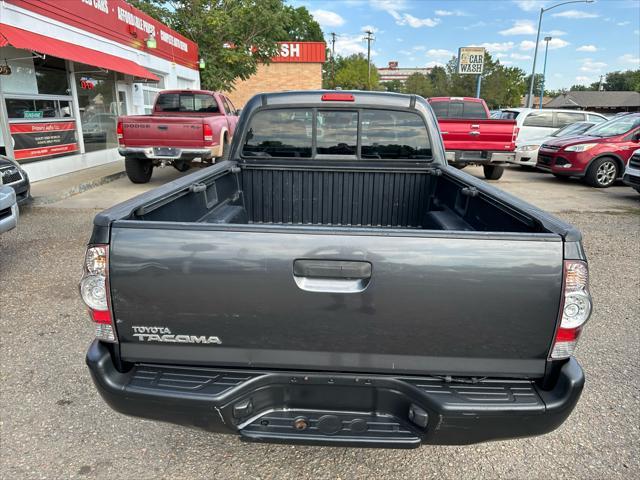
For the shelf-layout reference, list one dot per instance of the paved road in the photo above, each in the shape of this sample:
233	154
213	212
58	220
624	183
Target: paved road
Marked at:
54	425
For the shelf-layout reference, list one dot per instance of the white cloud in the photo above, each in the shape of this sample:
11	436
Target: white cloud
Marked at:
396	8
399	39
418	48
629	59
434	64
529	5
622	24
591	66
554	44
416	22
496	46
440	53
583	79
520	27
587	48
370	28
575	14
450	13
327	18
349	44
636	31
506	62
556	33
519	56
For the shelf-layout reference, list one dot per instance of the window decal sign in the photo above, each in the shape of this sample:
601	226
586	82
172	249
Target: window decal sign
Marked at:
43	139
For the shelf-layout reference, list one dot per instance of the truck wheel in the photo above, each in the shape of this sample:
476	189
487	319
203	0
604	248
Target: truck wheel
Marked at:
138	170
182	166
602	173
492	172
225	150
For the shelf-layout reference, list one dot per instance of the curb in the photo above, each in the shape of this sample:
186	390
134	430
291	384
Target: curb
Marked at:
76	189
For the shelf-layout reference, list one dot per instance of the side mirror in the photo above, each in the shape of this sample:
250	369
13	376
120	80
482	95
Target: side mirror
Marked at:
238	111
636	137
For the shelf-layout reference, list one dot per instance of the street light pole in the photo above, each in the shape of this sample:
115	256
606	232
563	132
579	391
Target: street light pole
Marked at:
544	69
535	52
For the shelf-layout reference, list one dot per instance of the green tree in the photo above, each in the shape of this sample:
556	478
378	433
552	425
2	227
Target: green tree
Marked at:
233	36
352	73
628	80
439	82
394	86
419	84
300	26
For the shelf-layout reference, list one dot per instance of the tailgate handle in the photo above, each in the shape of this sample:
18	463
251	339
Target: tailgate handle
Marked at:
335	276
163	127
474	133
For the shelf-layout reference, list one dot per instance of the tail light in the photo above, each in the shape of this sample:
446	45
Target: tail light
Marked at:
338	97
120	132
207	133
575	308
514	137
94	290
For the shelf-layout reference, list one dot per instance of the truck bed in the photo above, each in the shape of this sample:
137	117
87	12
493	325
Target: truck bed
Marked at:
242	247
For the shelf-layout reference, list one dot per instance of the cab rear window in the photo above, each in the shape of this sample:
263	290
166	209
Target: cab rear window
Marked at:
458	109
349	134
186	103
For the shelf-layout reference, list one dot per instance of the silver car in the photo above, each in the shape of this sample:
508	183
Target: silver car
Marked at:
8	209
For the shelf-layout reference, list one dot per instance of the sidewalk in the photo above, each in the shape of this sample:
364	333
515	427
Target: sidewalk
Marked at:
58	188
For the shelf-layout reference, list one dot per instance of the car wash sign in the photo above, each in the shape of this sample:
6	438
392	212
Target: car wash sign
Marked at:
471	60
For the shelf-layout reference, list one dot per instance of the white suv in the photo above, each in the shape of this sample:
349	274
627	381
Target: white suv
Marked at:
534	123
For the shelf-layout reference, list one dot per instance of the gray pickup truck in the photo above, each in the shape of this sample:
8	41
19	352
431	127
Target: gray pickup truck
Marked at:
336	282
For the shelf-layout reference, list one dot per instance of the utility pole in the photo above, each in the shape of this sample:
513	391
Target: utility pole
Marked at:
333	60
369	38
601	87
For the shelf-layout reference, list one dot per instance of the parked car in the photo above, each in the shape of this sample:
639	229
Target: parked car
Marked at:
527	152
534	124
471	137
12	175
632	172
8	209
598	157
337	316
184	125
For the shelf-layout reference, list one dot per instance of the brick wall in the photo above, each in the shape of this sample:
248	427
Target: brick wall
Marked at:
277	77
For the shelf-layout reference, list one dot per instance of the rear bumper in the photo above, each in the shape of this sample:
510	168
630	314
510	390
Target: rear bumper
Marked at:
464	157
336	409
180	153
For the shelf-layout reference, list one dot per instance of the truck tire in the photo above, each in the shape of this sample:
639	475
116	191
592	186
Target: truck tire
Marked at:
602	173
225	150
138	170
492	172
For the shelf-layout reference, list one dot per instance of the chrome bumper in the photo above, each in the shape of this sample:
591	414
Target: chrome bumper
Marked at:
178	153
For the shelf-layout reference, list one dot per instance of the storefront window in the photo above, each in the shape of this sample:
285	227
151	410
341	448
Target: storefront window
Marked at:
98	107
26	108
33	75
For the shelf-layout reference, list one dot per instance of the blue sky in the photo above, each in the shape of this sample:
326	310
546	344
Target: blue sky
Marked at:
587	39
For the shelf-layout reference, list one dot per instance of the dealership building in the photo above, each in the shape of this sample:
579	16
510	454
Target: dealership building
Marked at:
69	68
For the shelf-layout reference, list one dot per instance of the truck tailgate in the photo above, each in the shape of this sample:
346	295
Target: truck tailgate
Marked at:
461	305
155	130
480	134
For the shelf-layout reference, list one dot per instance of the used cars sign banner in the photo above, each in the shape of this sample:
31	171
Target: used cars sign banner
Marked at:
471	60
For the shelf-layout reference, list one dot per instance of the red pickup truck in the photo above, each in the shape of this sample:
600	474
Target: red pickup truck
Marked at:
184	125
472	137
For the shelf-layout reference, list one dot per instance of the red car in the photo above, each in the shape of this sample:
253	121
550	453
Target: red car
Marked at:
599	157
184	125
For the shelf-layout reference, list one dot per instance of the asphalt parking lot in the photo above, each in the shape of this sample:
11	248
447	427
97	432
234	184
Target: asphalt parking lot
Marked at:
54	424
